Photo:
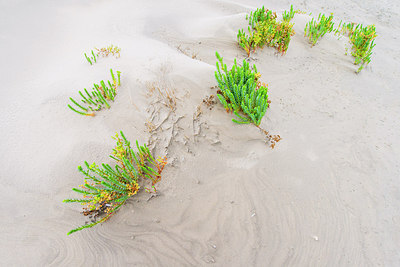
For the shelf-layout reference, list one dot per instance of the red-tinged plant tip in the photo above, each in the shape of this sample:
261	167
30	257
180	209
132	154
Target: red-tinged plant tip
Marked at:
288	15
265	30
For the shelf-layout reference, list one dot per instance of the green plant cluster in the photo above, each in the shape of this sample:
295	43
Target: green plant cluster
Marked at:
362	39
98	97
289	15
107	188
241	92
264	30
90	58
316	29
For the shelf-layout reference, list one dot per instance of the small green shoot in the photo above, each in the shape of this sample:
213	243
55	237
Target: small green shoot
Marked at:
288	15
92	58
316	29
88	59
119	77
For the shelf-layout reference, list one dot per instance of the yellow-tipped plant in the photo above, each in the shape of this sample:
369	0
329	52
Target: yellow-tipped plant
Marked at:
107	188
264	30
362	39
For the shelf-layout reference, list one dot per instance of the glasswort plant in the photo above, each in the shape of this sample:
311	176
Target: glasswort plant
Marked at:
98	97
362	39
241	92
316	29
288	15
264	30
107	188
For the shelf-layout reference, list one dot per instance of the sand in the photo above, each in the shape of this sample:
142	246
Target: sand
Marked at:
328	194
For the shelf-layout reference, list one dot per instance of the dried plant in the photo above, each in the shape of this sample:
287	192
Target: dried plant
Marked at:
271	139
264	30
362	39
109	50
241	92
165	95
98	98
198	112
107	188
316	29
150	126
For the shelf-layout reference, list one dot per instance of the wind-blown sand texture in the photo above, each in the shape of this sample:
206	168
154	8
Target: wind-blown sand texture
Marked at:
328	194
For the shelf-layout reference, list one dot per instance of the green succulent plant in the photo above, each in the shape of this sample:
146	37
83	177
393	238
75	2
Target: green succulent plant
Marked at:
241	92
289	15
107	188
363	41
98	98
93	57
264	30
316	29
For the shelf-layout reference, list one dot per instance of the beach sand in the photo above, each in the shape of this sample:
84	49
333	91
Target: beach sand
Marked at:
328	194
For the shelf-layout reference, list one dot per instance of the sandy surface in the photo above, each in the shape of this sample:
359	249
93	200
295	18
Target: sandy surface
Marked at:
327	195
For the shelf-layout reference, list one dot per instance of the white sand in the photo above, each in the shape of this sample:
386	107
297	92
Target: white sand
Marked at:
327	195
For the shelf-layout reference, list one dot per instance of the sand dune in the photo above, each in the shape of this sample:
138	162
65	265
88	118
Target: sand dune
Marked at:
328	194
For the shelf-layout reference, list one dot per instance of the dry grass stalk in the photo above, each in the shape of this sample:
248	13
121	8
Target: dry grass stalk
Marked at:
165	95
186	53
150	126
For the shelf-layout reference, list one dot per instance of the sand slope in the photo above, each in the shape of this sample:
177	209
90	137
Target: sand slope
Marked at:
327	195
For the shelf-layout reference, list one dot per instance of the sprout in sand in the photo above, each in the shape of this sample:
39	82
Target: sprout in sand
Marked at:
288	15
98	97
317	29
93	57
